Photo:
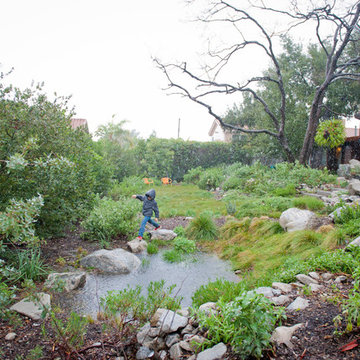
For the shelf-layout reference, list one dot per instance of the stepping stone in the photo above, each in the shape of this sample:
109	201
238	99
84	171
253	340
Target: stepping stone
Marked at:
32	309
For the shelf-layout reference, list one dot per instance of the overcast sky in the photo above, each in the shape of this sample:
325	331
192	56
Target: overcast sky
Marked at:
100	52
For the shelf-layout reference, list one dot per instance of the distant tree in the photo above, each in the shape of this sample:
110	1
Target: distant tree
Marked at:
341	34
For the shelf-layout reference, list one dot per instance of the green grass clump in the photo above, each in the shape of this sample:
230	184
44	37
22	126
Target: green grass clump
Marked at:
202	228
309	203
213	291
184	245
288	190
173	256
152	249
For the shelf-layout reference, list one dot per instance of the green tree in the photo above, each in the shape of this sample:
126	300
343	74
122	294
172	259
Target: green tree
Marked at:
339	45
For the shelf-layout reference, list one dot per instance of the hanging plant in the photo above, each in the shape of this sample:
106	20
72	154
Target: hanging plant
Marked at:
330	133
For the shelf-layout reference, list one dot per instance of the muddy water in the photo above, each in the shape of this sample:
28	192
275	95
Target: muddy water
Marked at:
188	276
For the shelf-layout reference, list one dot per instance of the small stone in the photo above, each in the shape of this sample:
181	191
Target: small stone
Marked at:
10	336
208	308
265	290
283	334
144	353
162	355
280	300
214	353
175	352
340	279
172	339
298	304
188	329
185	345
307	280
314	275
316	287
285	288
327	276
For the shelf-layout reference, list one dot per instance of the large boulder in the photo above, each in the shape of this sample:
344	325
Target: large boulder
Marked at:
117	261
162	234
296	219
69	281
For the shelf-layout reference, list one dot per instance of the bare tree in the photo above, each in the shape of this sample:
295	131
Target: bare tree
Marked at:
344	26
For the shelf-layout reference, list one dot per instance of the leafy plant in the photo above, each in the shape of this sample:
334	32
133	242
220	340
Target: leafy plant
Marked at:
184	245
111	218
179	230
202	228
330	133
35	353
246	323
211	179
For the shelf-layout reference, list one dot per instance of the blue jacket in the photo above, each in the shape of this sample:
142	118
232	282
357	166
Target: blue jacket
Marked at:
149	206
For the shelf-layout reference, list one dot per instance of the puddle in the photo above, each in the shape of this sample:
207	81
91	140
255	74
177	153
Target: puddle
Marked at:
188	276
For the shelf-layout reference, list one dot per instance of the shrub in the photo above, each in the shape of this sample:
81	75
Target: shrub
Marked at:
232	183
246	323
173	256
213	291
129	186
288	190
347	213
179	230
111	218
193	175
202	228
211	179
308	202
184	245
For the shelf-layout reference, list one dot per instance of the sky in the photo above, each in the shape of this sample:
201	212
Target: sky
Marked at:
100	53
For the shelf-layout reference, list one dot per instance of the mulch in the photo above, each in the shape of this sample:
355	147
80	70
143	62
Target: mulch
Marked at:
313	342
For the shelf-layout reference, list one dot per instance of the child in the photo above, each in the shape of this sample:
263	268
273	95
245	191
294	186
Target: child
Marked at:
149	205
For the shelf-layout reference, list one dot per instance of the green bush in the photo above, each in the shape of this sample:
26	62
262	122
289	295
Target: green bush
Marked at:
129	186
309	203
211	179
193	175
173	256
179	230
184	245
202	228
246	324
288	190
213	291
110	219
232	183
347	213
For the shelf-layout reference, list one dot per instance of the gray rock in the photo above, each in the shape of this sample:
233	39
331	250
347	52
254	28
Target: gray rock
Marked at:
195	342
175	352
70	281
10	336
162	355
285	288
185	345
280	300
354	188
296	219
283	334
162	234
327	276
208	308
314	275
316	287
183	312
340	279
265	290
117	261
354	164
299	304
355	242
214	353
307	280
172	339
32	309
168	321
188	329
143	336
137	246
144	353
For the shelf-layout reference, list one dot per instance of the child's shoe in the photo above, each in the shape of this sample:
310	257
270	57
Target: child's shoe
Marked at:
157	228
139	238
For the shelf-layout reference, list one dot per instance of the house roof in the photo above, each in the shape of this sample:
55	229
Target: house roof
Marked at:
214	125
351	132
79	123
